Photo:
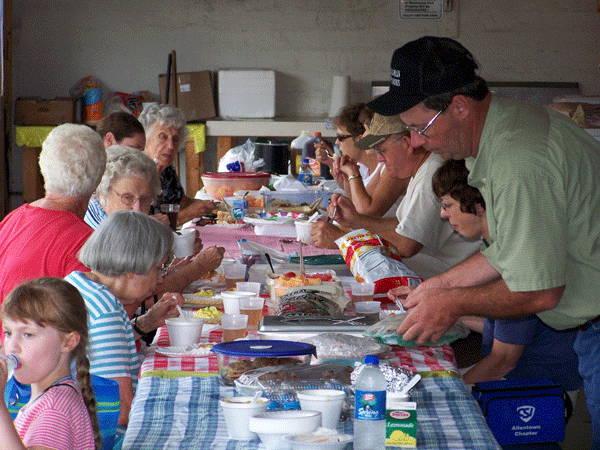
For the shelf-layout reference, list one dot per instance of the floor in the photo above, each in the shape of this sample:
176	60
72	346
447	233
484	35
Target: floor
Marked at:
578	434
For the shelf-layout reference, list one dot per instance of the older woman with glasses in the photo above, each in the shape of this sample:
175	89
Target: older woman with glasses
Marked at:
364	180
125	255
131	182
166	132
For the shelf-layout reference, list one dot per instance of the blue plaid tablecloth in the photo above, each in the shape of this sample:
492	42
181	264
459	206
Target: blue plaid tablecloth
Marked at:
176	413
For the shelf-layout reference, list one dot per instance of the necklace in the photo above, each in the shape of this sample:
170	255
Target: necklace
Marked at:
56	383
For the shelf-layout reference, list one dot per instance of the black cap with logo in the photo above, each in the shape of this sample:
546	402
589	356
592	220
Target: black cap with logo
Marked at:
422	68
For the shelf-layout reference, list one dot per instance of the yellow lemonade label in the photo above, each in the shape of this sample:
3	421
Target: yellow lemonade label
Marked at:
401	424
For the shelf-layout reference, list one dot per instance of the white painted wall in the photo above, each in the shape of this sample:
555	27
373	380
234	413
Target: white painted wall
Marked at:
125	43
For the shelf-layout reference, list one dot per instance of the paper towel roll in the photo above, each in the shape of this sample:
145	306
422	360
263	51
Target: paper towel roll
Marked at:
340	94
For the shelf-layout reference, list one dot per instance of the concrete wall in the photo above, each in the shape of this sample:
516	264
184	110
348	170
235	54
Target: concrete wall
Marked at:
126	43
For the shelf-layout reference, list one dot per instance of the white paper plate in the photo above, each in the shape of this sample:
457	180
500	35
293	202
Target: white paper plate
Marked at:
176	351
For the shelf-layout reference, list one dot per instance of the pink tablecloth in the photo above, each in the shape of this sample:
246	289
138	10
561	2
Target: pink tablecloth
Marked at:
228	237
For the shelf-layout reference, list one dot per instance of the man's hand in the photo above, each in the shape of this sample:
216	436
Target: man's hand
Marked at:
325	234
345	214
431	312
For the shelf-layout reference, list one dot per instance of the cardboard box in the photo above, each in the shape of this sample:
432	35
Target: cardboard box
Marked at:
246	94
195	95
37	111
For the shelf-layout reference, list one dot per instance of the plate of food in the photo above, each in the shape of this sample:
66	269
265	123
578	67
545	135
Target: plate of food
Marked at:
203	297
196	350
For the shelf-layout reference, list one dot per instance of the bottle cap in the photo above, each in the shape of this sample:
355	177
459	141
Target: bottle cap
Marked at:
304	160
372	359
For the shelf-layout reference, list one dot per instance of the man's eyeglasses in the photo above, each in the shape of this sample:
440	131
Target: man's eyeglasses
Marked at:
129	199
341	137
380	151
424	129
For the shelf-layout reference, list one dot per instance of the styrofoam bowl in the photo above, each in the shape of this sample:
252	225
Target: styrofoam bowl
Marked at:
272	426
326	441
184	332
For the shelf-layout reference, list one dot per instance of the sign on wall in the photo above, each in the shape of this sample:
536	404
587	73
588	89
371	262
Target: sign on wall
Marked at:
421	9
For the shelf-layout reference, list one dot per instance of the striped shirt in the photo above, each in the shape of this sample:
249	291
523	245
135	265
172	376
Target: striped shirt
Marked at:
112	351
58	419
94	215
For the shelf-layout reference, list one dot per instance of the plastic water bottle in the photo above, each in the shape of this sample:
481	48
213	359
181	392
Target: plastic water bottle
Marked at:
305	175
296	149
369	409
11	364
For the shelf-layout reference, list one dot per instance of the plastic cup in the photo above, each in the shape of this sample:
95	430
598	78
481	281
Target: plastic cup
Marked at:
303	232
368	309
362	292
183	244
253	308
248	286
231	300
237	412
184	332
328	402
172	211
234	326
234	273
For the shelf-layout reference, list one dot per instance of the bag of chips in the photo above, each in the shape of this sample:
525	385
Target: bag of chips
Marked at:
375	260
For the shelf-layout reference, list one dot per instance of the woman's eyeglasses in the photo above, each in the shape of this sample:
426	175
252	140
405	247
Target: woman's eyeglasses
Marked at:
341	137
129	199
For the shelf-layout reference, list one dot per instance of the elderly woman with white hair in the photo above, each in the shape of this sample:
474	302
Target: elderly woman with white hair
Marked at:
131	182
166	132
42	238
126	255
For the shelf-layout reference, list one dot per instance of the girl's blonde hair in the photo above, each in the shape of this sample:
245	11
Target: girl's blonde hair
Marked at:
56	303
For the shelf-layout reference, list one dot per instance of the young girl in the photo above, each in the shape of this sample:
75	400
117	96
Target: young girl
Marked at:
45	327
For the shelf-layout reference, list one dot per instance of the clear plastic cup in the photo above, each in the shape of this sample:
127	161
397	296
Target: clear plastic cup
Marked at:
234	273
234	326
368	309
362	292
231	300
253	308
248	286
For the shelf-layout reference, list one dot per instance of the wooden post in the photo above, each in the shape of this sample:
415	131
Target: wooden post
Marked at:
194	168
33	182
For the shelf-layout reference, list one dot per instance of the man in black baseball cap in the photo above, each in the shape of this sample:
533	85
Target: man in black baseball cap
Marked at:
538	174
423	68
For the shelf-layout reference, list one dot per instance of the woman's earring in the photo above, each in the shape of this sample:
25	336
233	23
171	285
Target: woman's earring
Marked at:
103	202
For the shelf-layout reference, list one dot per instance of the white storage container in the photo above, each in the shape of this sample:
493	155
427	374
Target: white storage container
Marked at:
246	94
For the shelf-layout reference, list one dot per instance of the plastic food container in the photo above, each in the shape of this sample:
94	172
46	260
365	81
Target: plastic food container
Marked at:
237	357
299	197
224	184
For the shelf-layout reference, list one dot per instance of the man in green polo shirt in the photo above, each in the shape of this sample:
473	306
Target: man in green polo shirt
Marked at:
540	177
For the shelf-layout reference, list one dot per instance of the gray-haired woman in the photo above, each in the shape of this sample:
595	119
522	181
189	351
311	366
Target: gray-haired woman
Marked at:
131	182
42	238
126	255
166	132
